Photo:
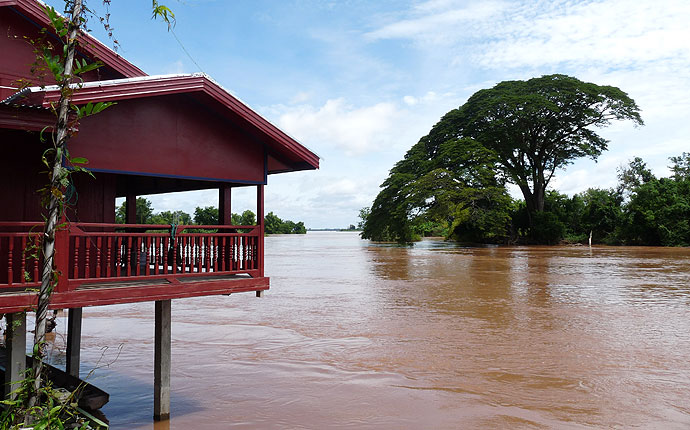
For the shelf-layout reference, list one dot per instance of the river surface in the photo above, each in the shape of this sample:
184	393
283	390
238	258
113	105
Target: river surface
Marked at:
355	335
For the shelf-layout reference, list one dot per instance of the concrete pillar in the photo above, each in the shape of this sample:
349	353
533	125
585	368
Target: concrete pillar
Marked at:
161	363
16	351
73	341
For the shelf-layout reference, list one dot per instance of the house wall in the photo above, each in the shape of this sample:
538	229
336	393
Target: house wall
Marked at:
23	175
169	136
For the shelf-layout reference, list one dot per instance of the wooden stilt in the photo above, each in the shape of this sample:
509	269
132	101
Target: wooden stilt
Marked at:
261	222
161	365
73	341
16	351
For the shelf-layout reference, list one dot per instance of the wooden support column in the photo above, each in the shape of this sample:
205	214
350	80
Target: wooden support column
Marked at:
16	351
224	205
161	364
73	341
260	222
131	207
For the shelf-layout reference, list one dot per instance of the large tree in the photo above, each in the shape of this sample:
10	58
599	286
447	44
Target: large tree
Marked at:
537	126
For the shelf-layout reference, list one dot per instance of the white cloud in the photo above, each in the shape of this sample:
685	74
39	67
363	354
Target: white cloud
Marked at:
354	130
176	67
618	33
440	22
410	101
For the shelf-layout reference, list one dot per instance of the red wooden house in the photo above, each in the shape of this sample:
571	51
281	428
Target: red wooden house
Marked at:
165	134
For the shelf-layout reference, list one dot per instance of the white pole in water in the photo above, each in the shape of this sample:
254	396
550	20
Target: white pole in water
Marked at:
590	238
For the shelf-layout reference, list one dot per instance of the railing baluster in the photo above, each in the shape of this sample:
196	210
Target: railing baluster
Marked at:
215	253
221	256
87	254
137	256
166	247
37	243
207	252
231	253
183	252
99	244
128	253
75	275
23	264
197	254
109	260
118	256
233	259
10	273
255	253
245	266
155	258
147	255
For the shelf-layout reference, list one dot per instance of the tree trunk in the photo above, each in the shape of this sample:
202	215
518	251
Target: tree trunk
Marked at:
529	202
539	194
55	207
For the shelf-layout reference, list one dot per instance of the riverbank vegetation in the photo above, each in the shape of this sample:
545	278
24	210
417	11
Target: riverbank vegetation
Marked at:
453	182
207	215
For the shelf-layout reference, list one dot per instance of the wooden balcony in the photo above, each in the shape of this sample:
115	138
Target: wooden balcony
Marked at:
121	263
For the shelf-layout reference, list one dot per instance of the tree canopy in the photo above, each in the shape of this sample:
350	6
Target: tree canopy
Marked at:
537	126
452	181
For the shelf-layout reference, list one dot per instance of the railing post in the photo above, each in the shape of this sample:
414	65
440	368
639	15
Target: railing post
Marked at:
62	256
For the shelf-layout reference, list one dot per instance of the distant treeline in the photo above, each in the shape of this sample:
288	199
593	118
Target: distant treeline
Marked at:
206	216
641	210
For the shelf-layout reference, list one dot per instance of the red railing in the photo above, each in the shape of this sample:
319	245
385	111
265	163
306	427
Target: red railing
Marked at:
91	253
19	250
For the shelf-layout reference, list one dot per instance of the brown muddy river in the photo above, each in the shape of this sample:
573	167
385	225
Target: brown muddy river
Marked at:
354	335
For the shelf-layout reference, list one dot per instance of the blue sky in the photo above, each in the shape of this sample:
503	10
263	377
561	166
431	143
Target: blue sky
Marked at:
359	82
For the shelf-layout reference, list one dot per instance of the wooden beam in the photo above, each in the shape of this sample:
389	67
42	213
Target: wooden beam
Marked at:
161	364
16	351
73	341
224	205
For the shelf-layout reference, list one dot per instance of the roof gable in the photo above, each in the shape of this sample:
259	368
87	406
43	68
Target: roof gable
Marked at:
289	154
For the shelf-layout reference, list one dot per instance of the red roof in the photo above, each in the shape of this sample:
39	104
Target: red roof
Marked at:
198	85
33	10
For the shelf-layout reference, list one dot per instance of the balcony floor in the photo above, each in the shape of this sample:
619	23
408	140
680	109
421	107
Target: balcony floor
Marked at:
130	291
